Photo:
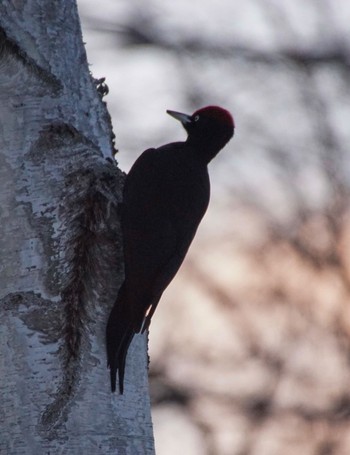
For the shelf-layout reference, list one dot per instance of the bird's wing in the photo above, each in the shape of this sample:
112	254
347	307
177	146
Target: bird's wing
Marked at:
159	224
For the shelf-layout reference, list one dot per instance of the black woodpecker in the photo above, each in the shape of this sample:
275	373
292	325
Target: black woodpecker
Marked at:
166	194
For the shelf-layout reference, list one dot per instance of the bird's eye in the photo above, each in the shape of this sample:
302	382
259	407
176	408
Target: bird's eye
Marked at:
196	118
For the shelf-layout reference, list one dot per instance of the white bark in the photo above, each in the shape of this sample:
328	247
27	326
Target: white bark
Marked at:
61	261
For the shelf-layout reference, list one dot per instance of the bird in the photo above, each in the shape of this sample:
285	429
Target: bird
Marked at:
165	196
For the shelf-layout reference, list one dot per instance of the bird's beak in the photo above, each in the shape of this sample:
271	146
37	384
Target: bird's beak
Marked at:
183	118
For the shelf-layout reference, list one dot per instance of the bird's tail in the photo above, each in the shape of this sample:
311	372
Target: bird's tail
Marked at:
119	335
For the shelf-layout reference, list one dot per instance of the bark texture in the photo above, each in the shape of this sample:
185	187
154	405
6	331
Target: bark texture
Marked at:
61	250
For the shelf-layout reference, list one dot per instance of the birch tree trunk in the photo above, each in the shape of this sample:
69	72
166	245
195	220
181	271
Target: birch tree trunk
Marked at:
60	245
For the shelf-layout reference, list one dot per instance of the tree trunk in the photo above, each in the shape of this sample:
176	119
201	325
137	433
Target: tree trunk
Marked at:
61	252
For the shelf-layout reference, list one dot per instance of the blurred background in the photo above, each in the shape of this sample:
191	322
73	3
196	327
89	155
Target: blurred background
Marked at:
249	348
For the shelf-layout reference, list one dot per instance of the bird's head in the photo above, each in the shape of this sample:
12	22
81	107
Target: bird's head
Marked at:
209	129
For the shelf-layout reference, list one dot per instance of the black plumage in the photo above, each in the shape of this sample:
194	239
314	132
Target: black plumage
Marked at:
166	194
